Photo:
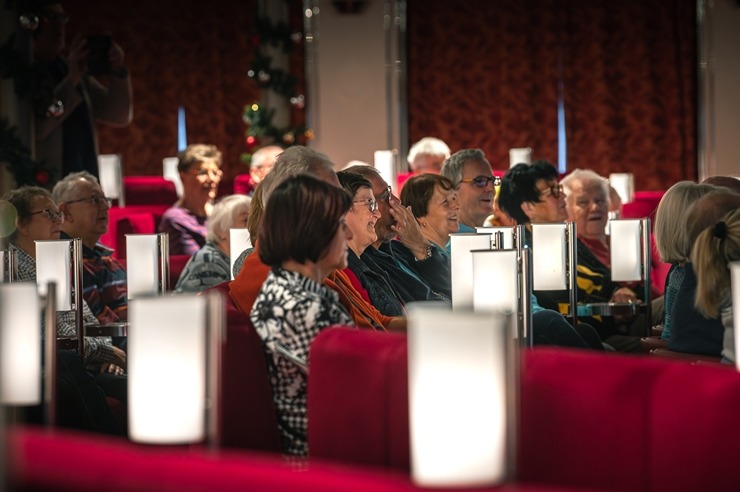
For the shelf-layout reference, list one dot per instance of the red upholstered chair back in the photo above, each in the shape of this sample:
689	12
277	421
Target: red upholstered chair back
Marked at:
177	265
249	418
135	219
149	190
587	420
243	184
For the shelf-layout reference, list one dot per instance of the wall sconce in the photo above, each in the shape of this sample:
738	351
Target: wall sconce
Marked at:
20	344
239	242
624	184
181	335
147	264
519	156
462	405
461	266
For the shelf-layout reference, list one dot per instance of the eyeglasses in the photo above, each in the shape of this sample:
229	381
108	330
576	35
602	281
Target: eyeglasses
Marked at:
555	190
213	173
95	200
372	205
52	215
385	196
482	181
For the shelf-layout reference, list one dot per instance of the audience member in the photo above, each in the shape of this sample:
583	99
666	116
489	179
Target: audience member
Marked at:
199	166
433	201
245	287
303	237
672	241
715	248
262	163
425	157
418	272
211	264
731	182
471	173
361	219
68	142
85	209
692	331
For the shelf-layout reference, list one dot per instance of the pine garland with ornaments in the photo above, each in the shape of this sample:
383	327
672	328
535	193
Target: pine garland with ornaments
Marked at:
261	130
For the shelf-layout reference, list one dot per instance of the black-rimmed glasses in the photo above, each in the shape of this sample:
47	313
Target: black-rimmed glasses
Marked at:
52	215
372	205
95	200
482	181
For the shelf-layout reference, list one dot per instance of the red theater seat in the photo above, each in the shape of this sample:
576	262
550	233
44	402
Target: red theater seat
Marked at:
149	190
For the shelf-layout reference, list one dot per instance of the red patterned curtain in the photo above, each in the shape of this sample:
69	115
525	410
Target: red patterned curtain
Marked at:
487	74
186	53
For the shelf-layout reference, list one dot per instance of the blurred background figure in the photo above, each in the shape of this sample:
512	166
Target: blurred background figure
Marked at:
262	162
211	264
67	140
199	166
425	156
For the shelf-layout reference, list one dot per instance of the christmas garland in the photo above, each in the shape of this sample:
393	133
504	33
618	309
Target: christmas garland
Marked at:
261	131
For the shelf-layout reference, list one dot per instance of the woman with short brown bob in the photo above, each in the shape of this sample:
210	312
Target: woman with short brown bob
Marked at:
302	237
433	201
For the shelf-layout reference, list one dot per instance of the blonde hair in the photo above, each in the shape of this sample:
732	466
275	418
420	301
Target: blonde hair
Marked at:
671	228
715	247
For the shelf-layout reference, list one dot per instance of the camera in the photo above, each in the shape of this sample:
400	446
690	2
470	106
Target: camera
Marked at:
97	59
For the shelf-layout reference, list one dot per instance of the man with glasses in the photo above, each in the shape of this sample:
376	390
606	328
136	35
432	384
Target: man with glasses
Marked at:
85	209
67	141
471	173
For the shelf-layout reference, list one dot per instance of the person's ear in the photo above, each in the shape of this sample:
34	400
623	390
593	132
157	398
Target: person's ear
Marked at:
65	210
21	226
527	208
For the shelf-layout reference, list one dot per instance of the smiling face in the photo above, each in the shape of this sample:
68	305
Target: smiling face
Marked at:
476	203
383	195
361	221
551	206
336	253
441	218
200	182
588	207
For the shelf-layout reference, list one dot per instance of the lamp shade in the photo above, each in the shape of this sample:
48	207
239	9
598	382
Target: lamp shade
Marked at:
385	163
239	241
20	344
167	369
495	281
461	266
508	233
549	257
626	250
519	156
457	396
142	265
53	264
170	173
624	185
111	181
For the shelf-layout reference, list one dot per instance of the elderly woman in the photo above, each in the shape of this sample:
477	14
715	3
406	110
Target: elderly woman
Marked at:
210	265
361	220
433	201
303	237
199	167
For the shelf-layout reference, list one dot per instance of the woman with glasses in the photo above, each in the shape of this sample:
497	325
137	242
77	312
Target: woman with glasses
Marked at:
376	287
303	237
199	166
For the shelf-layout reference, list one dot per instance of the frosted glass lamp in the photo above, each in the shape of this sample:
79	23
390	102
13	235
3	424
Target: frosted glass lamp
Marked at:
626	250
385	163
20	344
549	253
147	264
495	281
507	232
239	242
53	264
170	173
624	185
461	266
735	281
111	179
459	406
519	156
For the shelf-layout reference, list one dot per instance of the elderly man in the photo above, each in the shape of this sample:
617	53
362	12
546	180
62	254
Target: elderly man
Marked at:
262	163
471	173
425	156
417	270
85	209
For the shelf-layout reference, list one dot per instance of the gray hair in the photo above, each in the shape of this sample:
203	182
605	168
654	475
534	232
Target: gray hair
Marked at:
453	165
292	162
64	188
259	158
671	235
428	146
585	176
224	215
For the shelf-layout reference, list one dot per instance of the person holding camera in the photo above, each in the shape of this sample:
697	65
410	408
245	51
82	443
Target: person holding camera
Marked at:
65	137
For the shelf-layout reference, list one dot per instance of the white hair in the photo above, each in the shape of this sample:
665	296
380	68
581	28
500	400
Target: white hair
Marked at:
428	146
224	215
